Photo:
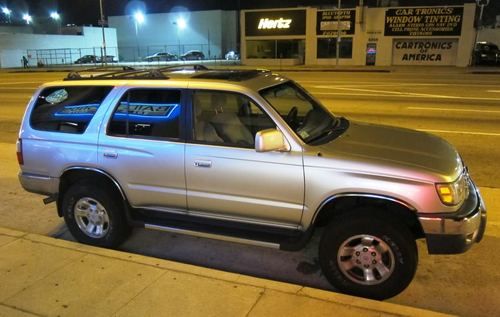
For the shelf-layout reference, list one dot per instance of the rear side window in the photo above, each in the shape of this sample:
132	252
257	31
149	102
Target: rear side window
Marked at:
147	113
67	109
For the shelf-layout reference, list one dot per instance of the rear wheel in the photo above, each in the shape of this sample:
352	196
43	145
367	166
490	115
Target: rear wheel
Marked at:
93	215
368	255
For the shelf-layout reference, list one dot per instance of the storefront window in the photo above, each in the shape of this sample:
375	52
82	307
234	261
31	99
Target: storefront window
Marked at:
275	49
327	47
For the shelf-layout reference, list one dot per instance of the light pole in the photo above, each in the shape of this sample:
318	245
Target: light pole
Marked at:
102	21
57	19
7	12
337	46
482	4
181	25
138	20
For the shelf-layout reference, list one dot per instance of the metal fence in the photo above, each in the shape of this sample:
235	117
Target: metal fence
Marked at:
66	56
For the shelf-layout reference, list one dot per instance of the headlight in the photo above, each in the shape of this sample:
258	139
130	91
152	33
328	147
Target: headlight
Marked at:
452	194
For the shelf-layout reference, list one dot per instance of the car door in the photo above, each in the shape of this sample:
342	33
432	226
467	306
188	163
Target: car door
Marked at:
226	178
142	147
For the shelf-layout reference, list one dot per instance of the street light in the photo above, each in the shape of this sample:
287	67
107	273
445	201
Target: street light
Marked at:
55	16
181	23
7	13
139	19
27	18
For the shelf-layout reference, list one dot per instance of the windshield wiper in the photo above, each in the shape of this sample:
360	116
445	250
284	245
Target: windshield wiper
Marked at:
339	125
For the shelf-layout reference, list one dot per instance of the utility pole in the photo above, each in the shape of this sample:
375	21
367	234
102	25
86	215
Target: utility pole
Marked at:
103	58
337	46
482	4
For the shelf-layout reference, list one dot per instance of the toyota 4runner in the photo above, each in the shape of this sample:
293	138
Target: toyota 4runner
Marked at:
251	157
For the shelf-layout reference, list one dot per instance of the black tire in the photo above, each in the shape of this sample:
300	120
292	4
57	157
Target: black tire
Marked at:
347	256
93	196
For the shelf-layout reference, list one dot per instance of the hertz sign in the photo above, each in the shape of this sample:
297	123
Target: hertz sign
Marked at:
275	23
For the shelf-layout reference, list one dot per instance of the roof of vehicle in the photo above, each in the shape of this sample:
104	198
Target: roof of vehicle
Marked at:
254	79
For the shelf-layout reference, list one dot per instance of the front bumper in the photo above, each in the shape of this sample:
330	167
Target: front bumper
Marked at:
457	232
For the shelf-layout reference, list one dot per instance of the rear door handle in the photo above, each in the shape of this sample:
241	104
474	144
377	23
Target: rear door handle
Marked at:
200	163
110	154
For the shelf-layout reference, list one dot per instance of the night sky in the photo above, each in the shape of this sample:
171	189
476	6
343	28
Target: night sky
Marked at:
87	11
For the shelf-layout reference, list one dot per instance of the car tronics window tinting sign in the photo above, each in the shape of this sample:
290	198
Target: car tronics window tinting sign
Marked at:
422	21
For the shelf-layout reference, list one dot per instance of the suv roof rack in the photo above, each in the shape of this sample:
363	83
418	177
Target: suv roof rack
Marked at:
128	72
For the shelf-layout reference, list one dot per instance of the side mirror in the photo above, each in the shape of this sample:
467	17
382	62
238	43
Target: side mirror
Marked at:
270	140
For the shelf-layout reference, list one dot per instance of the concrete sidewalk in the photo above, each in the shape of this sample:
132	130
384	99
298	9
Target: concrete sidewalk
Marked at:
43	276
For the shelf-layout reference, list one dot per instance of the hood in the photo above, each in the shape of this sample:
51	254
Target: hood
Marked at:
393	151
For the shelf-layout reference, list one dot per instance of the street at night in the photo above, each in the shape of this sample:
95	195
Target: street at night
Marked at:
461	107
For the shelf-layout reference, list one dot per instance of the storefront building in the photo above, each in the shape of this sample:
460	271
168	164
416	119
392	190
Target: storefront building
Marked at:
440	36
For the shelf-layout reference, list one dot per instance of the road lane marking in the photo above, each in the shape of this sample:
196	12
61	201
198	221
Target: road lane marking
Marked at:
405	94
450	109
23	82
460	132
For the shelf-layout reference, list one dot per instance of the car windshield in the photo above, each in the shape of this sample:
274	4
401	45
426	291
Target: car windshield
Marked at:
312	122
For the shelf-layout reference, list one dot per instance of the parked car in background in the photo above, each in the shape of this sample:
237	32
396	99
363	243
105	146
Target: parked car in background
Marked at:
486	53
92	59
86	59
160	56
107	59
232	56
192	55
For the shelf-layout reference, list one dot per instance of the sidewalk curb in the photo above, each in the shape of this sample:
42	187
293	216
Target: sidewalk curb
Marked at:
297	290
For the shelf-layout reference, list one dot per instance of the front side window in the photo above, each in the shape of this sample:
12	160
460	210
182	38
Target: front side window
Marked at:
67	109
147	113
226	118
305	116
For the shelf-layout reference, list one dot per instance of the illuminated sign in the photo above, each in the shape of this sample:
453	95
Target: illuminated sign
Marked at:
329	22
421	21
79	110
146	112
274	24
135	111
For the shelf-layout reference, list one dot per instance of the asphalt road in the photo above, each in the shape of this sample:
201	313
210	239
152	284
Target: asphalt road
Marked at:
462	108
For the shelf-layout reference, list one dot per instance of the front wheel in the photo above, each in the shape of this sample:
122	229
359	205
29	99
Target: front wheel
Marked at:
93	215
369	256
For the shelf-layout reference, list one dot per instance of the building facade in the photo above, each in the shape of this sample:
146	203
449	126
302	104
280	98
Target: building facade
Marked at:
440	36
51	49
212	32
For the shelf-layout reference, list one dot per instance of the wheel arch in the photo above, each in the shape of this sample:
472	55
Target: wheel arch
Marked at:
74	174
397	209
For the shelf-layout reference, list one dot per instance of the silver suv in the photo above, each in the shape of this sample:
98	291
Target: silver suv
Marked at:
250	157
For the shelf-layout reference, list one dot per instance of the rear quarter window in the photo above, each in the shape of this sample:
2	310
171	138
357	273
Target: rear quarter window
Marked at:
67	109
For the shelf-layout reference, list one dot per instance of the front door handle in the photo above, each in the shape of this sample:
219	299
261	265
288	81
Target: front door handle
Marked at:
201	163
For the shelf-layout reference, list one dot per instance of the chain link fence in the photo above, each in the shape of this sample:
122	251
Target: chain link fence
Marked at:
93	55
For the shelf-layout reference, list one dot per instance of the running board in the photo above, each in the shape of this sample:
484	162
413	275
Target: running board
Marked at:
212	236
